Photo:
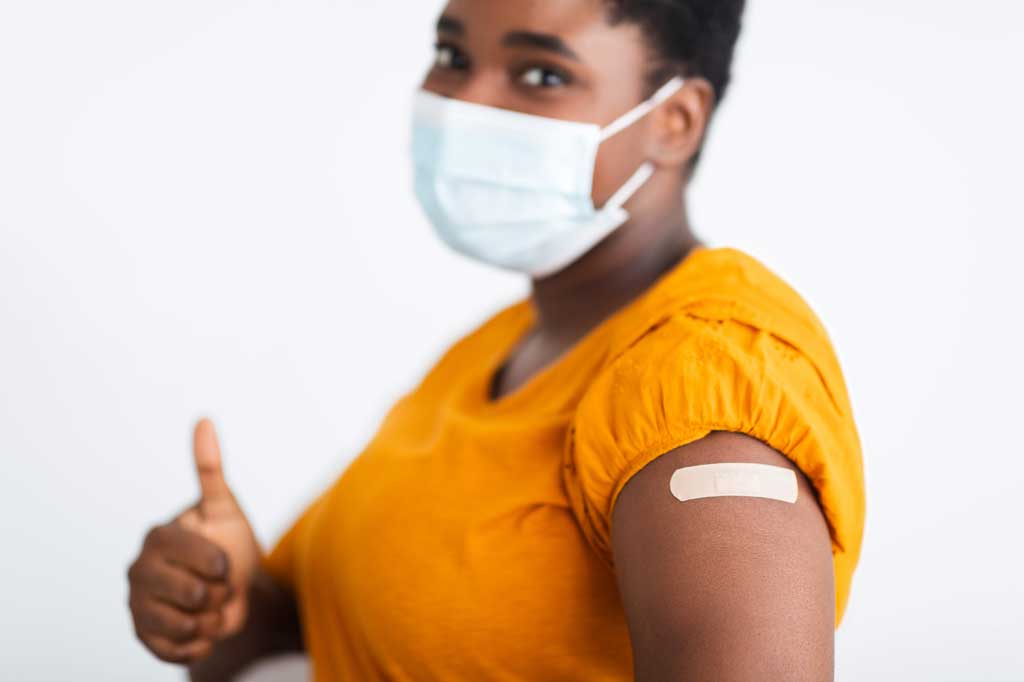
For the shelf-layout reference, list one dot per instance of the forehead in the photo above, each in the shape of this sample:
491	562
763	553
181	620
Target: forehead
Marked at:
552	16
581	23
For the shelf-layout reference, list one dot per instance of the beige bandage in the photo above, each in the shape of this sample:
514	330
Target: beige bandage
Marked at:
734	480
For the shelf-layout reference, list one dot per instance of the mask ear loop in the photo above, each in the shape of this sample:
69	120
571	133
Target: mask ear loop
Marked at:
635	182
630	117
644	173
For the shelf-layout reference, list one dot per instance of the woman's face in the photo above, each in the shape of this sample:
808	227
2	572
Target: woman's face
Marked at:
554	58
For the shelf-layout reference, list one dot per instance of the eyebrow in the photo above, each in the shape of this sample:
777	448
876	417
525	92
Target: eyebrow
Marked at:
541	41
447	24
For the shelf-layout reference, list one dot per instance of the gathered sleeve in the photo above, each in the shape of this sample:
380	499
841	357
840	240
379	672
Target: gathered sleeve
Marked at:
689	376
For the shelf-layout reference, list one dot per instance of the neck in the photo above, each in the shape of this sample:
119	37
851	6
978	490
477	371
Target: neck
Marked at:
614	272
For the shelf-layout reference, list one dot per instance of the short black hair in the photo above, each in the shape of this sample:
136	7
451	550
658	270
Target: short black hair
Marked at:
688	37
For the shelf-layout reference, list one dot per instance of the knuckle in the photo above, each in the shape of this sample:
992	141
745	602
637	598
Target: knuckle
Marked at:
188	653
189	627
155	645
177	627
137	569
216	596
139	575
209	623
153	536
195	595
204	649
171	654
217	563
149	621
182	628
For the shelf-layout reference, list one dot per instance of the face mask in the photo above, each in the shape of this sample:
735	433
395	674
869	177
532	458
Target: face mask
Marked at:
512	189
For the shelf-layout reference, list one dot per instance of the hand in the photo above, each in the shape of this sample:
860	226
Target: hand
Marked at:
189	586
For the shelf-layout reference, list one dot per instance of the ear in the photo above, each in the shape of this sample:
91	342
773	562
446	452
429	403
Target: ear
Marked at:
680	122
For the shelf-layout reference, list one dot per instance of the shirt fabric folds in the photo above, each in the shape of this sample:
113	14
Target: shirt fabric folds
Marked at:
470	539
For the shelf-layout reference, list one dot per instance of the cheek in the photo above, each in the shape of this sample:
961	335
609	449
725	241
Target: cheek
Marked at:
617	159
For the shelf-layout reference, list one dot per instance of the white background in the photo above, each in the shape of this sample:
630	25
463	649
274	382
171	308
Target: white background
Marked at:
204	209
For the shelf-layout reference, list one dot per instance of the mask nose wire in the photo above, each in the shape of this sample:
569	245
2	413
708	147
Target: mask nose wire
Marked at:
644	108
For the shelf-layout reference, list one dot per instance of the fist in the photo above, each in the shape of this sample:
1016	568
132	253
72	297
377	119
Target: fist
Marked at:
189	585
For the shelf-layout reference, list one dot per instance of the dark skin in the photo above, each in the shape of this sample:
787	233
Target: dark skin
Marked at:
588	71
729	589
197	593
732	589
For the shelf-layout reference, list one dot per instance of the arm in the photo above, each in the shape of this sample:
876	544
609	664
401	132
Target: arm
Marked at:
734	589
272	627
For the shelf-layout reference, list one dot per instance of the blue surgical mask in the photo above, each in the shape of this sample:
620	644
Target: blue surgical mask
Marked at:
514	190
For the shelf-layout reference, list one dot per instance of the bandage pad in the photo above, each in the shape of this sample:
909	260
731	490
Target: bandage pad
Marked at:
734	480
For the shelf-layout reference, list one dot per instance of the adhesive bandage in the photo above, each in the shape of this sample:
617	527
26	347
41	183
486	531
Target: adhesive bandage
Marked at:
734	480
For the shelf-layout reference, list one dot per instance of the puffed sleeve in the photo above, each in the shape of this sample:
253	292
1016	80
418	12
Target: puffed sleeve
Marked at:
690	376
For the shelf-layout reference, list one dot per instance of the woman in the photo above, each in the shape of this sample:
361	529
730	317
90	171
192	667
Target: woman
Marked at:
538	506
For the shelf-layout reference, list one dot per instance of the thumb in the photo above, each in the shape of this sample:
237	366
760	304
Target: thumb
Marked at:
214	490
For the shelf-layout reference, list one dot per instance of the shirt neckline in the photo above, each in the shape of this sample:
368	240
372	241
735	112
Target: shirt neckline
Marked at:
524	317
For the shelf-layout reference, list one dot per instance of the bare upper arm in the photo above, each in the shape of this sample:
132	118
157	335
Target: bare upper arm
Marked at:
724	588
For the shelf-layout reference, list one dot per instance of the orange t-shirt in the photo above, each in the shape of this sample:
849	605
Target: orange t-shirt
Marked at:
470	540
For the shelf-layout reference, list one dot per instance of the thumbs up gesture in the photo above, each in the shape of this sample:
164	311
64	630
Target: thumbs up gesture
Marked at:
189	586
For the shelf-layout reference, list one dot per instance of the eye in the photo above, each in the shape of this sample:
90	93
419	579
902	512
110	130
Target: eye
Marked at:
541	77
447	56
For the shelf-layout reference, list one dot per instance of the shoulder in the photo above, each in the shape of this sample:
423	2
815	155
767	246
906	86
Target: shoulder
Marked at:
740	288
725	305
736	358
728	346
712	570
757	288
692	375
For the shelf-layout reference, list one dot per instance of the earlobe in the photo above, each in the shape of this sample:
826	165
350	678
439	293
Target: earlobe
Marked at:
681	123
